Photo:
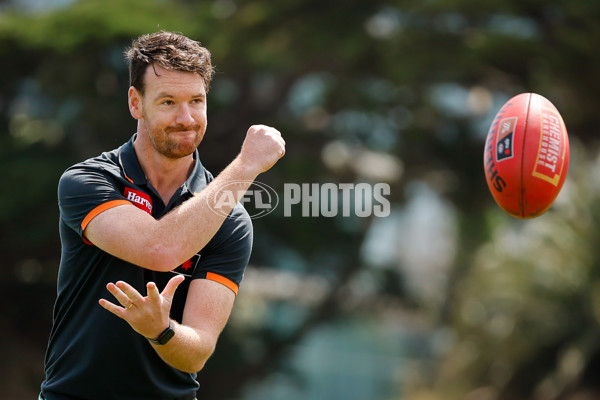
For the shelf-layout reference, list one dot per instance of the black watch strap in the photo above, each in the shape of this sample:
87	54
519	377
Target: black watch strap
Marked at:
164	337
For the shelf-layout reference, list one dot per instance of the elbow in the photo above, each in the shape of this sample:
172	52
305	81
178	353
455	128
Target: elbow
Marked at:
160	258
194	367
196	364
193	364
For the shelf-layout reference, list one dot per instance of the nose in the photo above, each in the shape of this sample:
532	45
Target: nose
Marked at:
184	116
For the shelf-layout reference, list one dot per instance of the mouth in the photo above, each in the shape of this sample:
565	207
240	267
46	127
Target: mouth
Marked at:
184	130
189	133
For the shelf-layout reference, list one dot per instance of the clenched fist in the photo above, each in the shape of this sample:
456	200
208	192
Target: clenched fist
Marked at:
262	148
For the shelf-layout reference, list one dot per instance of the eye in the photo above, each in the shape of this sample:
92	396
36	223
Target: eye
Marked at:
198	101
167	102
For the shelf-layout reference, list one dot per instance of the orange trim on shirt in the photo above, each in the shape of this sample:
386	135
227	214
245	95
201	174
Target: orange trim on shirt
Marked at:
101	208
223	281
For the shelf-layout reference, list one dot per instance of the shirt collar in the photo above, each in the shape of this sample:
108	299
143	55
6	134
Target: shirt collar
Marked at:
132	170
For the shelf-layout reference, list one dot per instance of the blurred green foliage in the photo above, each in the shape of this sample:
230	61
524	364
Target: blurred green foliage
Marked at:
399	91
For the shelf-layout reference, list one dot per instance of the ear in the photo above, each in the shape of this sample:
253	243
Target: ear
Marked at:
134	98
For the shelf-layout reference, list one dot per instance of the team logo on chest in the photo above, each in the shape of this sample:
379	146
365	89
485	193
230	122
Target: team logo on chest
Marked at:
188	267
139	199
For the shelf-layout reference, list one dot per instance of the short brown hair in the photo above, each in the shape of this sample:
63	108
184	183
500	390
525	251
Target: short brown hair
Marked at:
170	50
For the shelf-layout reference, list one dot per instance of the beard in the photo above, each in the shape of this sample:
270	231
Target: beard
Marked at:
176	141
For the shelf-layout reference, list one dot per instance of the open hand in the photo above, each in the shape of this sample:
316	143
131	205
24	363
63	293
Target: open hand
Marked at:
149	315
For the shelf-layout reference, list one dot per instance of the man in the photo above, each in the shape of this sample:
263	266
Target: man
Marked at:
149	271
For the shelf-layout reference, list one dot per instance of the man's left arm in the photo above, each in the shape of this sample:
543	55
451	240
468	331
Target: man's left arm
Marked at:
206	312
207	309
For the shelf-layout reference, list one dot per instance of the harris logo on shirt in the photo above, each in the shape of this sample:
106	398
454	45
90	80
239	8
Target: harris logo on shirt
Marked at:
139	199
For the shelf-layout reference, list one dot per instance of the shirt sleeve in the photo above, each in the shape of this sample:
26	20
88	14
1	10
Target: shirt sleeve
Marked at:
83	193
226	256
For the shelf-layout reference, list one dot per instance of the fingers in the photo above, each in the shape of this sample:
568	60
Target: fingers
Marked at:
125	294
113	308
153	293
129	291
267	131
128	297
169	290
262	148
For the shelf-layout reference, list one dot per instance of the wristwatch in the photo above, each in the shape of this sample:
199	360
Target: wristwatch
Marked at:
164	337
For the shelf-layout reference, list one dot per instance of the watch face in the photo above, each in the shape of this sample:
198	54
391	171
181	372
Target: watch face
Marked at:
166	336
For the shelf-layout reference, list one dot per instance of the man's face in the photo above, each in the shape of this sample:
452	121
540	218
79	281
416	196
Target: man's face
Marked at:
173	110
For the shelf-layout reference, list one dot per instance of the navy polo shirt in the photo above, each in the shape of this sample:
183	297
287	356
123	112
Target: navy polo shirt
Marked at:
93	354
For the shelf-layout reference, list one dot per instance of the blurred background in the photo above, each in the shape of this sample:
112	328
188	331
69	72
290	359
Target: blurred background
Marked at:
446	298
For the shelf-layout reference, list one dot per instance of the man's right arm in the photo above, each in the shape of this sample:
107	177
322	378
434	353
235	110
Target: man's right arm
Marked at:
134	236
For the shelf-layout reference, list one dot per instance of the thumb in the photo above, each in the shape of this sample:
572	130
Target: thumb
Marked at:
169	290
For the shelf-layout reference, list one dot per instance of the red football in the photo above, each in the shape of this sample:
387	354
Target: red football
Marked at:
526	155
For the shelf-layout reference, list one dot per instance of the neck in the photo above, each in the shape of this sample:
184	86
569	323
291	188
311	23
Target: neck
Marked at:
165	174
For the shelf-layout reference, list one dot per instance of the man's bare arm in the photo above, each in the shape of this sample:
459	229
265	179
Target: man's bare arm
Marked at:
207	309
134	236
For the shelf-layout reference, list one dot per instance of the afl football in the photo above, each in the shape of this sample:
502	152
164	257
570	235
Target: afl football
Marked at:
526	155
